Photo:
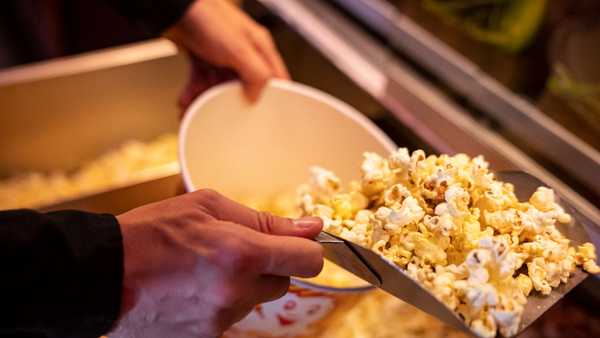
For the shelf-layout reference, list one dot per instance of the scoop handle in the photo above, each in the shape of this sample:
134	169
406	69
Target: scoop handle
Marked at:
341	253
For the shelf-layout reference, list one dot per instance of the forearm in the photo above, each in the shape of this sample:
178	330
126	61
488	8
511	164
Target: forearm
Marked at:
62	272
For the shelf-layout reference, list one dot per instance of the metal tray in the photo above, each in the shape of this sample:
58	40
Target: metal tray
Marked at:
59	113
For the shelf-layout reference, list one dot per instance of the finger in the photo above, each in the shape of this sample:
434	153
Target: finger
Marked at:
192	89
253	71
225	209
200	81
227	317
290	256
268	288
241	313
244	252
197	82
263	41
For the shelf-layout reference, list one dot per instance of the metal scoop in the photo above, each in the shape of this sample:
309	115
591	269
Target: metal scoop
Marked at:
386	275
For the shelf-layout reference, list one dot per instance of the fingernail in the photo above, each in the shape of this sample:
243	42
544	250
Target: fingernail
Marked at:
307	222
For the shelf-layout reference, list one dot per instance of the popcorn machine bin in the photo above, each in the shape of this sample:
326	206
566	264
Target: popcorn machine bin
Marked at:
81	128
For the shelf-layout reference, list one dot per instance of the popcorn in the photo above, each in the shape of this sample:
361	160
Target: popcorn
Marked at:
507	321
485	327
586	255
503	221
375	171
129	162
441	225
324	180
400	159
374	167
346	205
537	273
409	212
457	200
543	199
395	195
455	229
496	196
525	284
363	216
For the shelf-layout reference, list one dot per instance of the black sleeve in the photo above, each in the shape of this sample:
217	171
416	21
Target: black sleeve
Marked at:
61	274
154	16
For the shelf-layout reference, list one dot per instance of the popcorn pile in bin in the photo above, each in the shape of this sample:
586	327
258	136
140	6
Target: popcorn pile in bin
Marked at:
455	229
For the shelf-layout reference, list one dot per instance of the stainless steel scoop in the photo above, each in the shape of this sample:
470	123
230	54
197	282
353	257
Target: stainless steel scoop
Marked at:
384	274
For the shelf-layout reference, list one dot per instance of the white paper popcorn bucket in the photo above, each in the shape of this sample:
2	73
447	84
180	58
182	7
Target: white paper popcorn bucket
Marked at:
263	149
266	149
302	312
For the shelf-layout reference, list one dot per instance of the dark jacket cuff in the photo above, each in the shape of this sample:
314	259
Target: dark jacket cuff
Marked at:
95	294
64	273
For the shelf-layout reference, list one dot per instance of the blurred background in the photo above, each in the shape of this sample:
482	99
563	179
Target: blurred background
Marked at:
89	115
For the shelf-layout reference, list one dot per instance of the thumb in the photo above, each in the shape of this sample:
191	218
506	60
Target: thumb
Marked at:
307	227
224	209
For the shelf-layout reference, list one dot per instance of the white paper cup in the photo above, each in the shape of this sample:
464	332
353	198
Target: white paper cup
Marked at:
264	149
234	147
304	311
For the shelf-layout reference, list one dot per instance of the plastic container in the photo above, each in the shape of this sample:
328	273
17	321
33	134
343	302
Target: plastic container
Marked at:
264	150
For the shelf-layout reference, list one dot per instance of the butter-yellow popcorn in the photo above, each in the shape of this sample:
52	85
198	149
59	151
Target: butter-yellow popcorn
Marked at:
375	172
525	284
455	229
485	326
586	255
347	205
543	199
507	321
537	273
325	181
503	221
457	201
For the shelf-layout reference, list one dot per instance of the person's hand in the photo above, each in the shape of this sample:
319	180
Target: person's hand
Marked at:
219	34
202	76
197	263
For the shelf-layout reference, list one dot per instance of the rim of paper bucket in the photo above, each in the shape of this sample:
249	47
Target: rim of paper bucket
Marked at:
295	87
